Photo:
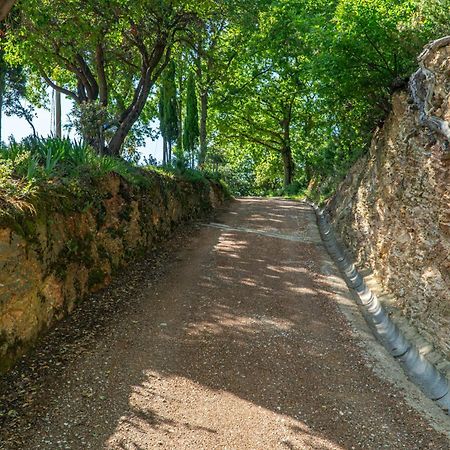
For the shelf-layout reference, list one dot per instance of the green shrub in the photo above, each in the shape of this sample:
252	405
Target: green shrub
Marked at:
44	158
46	166
15	193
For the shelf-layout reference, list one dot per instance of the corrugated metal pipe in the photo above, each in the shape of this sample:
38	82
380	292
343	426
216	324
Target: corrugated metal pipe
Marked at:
417	367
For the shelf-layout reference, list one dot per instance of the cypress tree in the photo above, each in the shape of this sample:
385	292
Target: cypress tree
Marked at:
191	130
168	114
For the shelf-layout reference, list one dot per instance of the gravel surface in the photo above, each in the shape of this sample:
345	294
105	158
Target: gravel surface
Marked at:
226	337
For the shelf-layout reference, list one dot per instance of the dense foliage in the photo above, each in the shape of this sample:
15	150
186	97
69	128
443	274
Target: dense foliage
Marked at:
273	95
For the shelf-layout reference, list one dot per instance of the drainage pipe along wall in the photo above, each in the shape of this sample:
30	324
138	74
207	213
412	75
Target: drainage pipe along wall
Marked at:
417	367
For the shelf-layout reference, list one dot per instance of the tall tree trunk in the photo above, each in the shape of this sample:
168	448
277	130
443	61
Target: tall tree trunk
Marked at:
286	151
5	7
89	90
288	166
130	117
169	158
149	75
203	129
58	127
164	151
180	116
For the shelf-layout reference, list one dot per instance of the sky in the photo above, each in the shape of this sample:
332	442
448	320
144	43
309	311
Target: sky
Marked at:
19	128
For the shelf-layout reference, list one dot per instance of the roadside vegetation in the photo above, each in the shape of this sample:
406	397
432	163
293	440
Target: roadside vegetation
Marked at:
38	169
275	97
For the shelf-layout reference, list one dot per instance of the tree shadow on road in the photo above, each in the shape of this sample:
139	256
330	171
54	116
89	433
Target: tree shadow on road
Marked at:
240	341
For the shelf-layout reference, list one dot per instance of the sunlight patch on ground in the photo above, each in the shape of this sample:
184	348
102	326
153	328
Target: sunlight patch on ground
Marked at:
161	413
267	232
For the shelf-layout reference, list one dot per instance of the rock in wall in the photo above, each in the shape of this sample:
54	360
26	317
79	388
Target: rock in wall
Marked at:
393	208
51	260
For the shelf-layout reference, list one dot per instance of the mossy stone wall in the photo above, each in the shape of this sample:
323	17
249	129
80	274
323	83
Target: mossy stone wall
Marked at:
52	259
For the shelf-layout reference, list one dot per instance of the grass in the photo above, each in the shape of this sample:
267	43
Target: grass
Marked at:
38	159
16	193
179	170
35	165
61	171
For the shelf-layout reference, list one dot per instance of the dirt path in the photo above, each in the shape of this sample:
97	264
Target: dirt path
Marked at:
238	345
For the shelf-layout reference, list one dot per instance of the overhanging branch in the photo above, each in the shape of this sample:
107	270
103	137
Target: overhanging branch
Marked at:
60	88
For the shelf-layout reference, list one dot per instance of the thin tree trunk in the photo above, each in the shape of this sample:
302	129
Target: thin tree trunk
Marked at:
286	151
164	151
32	127
5	7
288	166
169	159
58	127
102	82
203	129
180	117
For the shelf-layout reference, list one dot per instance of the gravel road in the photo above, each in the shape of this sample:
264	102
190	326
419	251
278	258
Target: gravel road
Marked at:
227	337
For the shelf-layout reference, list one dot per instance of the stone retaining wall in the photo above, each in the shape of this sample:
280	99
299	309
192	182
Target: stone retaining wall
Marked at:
393	210
51	260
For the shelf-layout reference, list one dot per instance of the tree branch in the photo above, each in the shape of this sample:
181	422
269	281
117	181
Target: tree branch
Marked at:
60	88
5	8
102	83
89	79
255	140
375	47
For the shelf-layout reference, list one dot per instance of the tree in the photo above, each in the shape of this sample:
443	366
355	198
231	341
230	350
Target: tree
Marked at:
190	129
264	117
313	79
106	56
267	80
13	92
211	56
168	111
212	48
5	7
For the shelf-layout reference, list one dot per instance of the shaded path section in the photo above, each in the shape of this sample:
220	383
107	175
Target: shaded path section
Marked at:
240	345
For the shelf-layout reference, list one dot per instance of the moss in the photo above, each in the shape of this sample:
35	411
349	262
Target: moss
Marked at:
14	348
77	250
72	247
60	271
77	285
24	226
134	253
3	339
116	233
103	252
125	212
41	297
96	276
100	217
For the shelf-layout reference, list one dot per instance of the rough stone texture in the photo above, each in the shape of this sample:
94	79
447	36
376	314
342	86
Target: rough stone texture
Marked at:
393	210
51	260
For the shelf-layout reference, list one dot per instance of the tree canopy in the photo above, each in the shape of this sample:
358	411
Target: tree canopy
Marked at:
272	94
